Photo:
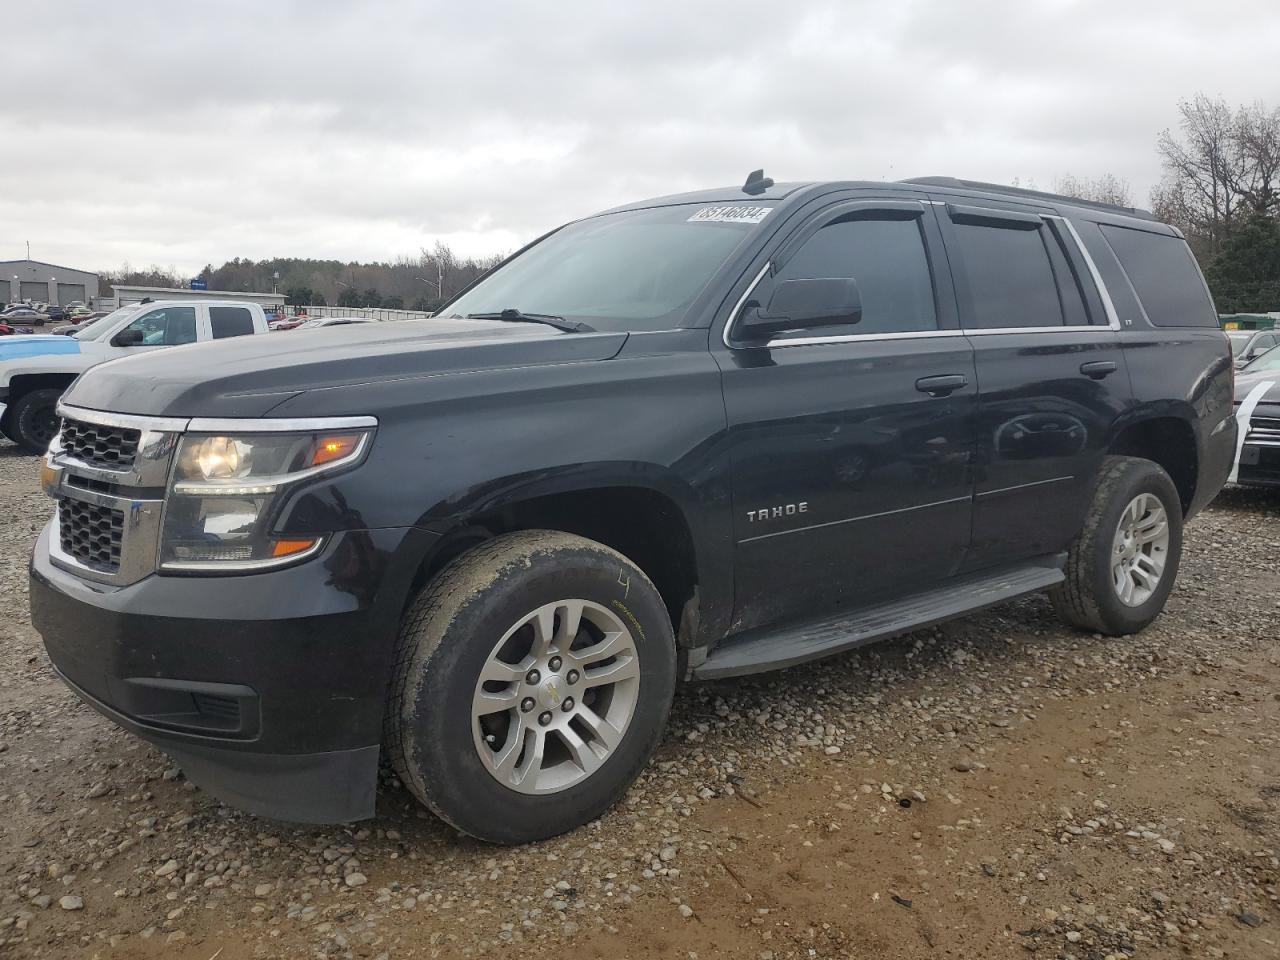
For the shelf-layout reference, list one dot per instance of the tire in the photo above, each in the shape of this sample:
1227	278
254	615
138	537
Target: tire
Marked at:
6	427
462	623
32	421
1129	495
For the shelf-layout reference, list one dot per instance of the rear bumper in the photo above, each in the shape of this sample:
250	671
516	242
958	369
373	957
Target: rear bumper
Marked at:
268	690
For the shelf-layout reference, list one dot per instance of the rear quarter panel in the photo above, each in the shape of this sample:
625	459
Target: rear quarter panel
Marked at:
1183	372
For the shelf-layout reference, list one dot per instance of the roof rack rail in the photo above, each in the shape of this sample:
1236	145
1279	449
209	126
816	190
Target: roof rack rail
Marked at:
957	183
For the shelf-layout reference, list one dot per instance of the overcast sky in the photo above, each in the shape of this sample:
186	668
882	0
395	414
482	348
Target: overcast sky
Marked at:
185	134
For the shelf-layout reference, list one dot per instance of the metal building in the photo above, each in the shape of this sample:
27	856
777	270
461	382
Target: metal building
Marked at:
46	282
126	294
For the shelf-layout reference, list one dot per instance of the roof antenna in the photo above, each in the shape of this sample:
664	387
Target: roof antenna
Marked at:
757	182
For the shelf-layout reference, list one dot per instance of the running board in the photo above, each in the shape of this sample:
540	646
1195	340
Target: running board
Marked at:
773	648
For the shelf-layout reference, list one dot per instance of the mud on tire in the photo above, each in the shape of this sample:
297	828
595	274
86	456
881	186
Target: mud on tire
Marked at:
455	629
1089	597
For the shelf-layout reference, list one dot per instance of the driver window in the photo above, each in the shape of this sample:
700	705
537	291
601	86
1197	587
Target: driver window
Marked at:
166	327
887	259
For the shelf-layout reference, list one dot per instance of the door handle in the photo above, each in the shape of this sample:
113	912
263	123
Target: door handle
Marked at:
1097	369
942	385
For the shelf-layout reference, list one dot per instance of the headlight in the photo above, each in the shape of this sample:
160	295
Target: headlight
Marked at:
227	488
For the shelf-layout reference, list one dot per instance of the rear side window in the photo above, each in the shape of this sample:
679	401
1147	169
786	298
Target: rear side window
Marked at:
1164	275
886	258
230	322
1010	277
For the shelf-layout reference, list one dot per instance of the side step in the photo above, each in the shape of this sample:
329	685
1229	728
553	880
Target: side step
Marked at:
773	648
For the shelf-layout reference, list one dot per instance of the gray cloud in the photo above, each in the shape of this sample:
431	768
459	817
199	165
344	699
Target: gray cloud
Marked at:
182	135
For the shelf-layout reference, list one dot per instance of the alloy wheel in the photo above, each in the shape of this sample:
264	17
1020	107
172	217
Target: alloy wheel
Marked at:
1140	549
555	696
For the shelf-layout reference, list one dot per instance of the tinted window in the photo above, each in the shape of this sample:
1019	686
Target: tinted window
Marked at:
166	327
1164	276
1011	282
230	322
886	258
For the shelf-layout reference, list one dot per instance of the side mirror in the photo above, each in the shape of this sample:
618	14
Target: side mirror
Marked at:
129	337
802	304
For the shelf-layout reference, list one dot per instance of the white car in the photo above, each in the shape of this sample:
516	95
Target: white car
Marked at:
35	370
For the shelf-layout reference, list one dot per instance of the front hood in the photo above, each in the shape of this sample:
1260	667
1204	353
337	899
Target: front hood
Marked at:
37	345
1246	383
247	376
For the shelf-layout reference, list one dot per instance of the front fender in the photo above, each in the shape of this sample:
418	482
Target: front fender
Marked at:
70	365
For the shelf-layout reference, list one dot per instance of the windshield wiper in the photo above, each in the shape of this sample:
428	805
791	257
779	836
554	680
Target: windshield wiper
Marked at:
511	315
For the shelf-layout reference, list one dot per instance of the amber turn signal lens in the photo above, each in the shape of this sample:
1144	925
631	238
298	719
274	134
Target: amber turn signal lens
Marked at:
49	477
287	548
334	447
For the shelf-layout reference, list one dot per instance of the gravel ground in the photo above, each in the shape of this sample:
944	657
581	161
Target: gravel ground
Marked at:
996	787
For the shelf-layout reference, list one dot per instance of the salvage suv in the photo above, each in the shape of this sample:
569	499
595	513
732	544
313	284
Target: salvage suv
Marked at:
691	438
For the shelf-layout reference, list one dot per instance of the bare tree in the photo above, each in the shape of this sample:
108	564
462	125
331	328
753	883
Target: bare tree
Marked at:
1107	188
1221	166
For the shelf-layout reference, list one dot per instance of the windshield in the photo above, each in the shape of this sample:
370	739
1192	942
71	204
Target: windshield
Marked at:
95	329
1267	361
1238	341
634	270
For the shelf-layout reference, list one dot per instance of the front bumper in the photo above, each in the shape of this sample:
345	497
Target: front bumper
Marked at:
268	689
1259	465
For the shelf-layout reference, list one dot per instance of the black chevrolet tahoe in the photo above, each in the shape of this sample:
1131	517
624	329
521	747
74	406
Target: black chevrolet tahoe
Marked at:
690	438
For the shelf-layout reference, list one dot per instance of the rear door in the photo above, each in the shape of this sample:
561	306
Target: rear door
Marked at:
1051	374
851	445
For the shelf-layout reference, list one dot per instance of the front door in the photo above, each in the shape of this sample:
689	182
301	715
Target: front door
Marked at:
1051	375
852	445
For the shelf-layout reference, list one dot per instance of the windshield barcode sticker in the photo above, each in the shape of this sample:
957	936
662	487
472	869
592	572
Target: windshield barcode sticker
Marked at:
730	214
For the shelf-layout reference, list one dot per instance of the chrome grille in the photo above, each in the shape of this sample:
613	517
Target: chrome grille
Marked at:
1264	430
110	470
100	445
92	534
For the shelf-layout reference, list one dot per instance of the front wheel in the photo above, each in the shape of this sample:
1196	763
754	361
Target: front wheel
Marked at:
33	420
533	682
1121	568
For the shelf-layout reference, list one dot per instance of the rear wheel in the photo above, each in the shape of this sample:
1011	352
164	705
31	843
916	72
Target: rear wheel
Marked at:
1121	568
533	683
32	421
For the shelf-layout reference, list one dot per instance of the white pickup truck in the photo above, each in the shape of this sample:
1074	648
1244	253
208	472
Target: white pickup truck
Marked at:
36	369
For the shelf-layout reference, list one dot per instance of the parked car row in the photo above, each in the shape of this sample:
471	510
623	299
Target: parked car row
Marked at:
38	314
303	322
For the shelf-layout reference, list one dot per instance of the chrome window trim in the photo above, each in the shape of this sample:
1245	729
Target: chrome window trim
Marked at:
1113	318
742	300
1112	326
289	425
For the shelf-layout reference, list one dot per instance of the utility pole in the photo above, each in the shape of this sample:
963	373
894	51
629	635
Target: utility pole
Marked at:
28	249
